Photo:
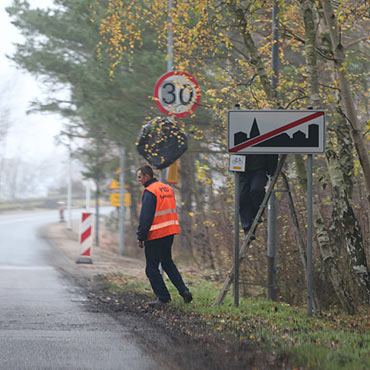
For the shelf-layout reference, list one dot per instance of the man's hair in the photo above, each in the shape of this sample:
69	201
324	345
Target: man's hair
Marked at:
146	170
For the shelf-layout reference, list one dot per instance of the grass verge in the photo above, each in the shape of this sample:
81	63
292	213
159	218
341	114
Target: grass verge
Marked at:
328	341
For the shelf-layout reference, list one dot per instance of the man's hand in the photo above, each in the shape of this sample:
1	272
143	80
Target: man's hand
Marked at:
140	243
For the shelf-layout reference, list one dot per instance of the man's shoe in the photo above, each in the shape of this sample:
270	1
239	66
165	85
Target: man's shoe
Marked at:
187	296
157	304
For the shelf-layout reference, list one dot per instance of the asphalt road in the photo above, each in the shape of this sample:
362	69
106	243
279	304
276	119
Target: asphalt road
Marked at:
43	322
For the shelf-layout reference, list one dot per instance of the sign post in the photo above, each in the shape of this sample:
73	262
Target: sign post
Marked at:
273	202
237	164
121	203
281	132
309	235
236	237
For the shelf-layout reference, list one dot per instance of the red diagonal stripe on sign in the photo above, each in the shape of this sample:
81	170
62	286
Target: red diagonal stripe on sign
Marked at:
86	253
263	137
85	234
85	216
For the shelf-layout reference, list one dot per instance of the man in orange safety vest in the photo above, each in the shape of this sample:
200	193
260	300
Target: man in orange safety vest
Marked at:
158	223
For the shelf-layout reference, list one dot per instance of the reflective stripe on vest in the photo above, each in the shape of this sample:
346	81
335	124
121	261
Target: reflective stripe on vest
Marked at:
165	220
165	212
164	224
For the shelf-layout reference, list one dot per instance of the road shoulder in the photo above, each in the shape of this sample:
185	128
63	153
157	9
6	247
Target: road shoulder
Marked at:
104	260
177	339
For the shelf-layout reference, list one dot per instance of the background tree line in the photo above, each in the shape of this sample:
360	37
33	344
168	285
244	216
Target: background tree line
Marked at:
109	55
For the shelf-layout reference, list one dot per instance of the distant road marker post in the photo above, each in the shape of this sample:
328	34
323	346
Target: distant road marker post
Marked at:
85	238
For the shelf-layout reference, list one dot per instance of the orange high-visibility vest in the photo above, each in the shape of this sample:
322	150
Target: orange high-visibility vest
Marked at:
166	221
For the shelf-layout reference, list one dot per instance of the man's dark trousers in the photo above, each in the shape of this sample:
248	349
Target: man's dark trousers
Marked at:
252	192
158	251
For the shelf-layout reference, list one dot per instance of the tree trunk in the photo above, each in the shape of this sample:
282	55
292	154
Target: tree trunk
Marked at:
345	225
97	221
345	148
202	235
323	236
344	219
330	265
256	59
345	91
185	211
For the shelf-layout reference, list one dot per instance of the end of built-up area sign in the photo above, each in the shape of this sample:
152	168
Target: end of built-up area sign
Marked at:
276	131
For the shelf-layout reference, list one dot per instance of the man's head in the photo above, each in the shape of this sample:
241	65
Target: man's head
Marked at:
144	174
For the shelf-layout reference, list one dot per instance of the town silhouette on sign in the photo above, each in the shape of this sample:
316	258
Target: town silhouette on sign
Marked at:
298	139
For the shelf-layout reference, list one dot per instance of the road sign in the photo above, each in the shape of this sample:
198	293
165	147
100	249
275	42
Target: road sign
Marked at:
280	131
177	93
115	199
114	185
237	163
173	173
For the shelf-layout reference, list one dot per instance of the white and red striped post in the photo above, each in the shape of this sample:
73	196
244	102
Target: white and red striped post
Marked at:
85	238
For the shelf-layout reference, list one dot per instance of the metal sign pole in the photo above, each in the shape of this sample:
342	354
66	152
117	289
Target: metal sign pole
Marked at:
69	190
97	213
88	195
271	247
272	205
236	231
169	40
163	172
236	237
309	235
121	203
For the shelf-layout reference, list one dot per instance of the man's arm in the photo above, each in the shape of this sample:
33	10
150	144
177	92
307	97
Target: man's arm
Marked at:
149	203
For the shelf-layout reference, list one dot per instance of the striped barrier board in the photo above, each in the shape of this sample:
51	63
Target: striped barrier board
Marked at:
85	238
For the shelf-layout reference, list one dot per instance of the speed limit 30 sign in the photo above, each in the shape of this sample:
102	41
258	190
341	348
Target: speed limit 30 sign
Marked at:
177	93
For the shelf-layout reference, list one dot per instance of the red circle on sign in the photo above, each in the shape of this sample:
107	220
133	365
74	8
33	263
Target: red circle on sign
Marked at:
166	108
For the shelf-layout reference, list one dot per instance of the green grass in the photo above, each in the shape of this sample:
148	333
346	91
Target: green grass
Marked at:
331	341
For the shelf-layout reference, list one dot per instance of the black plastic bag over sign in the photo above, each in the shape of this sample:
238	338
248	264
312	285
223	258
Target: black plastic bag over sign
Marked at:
161	142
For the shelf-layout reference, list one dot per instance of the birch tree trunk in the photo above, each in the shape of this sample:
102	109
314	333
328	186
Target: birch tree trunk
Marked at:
323	237
346	226
331	266
256	59
344	219
345	148
325	243
345	91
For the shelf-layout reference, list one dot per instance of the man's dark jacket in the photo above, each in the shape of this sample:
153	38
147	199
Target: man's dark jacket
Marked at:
267	162
148	206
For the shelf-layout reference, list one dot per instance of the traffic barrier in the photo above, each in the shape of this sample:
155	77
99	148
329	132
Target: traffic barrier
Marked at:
85	238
